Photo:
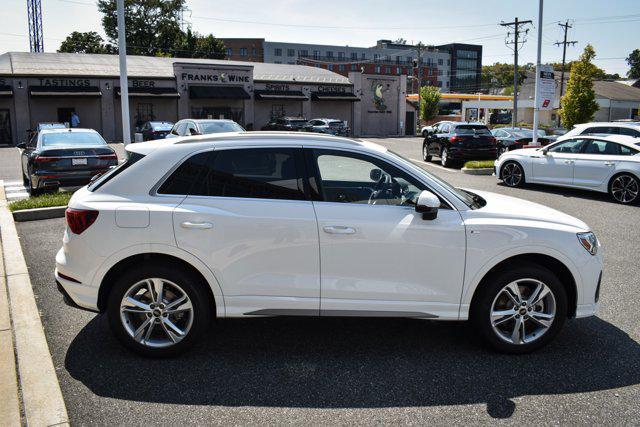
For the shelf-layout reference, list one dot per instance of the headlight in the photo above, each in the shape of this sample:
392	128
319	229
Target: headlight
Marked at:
589	242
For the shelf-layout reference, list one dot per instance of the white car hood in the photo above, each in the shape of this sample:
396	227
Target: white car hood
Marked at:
505	207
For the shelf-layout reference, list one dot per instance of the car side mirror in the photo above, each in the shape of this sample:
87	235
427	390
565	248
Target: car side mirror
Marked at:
375	175
428	205
22	145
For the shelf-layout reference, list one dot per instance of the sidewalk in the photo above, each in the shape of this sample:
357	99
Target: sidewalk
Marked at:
29	390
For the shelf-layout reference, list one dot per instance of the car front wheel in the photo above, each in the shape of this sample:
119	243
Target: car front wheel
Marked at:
520	310
158	311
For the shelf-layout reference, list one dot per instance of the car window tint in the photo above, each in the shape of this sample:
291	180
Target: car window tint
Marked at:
189	172
630	132
605	130
353	178
570	146
444	129
596	146
258	173
627	151
472	129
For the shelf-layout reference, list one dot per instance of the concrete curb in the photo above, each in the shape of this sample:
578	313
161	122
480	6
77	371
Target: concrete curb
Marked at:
39	213
42	400
477	171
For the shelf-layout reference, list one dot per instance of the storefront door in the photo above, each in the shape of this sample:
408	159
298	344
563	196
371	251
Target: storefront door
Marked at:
5	127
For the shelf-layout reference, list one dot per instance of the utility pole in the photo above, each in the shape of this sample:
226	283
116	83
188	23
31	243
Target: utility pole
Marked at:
536	100
419	47
124	81
564	44
517	45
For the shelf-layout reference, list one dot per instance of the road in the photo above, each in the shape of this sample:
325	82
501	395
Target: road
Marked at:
361	371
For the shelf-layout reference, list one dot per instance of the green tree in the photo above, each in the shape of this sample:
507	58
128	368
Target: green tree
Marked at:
89	42
153	29
430	98
194	45
634	62
579	102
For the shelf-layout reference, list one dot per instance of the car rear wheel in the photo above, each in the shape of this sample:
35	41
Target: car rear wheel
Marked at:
158	311
520	310
625	188
512	174
501	151
33	191
425	153
444	158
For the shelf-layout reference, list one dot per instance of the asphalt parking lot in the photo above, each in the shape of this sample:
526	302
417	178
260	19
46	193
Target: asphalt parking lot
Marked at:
361	371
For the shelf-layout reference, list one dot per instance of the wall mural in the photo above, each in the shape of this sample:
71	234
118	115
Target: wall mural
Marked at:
378	90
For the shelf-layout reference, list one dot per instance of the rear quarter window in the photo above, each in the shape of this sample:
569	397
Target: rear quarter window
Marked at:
112	173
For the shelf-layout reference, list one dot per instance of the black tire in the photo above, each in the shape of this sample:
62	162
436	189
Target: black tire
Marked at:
424	133
425	156
491	290
445	160
501	151
25	180
624	188
33	191
188	282
512	174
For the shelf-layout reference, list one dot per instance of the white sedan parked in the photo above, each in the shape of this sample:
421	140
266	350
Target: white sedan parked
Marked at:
608	164
289	224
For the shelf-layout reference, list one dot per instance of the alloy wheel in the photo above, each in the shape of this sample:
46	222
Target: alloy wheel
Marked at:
625	189
425	153
512	174
523	311
156	313
443	156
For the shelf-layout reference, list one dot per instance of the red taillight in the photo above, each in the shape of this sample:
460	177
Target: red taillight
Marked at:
455	139
108	157
492	139
79	220
42	159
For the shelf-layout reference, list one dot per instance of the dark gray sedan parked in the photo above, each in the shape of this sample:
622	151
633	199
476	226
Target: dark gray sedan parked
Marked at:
513	138
55	158
330	126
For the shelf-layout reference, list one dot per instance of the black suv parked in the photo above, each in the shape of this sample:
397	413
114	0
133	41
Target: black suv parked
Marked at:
457	142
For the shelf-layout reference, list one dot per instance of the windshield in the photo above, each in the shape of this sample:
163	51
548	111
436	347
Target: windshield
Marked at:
161	125
472	129
527	133
219	127
43	126
468	198
61	139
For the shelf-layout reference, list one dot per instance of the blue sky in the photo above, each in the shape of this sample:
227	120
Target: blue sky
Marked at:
612	27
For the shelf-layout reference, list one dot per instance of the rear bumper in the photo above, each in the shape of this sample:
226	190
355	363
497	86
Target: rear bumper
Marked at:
44	179
456	153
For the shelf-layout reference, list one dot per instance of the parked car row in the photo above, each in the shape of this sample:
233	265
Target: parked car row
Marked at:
328	126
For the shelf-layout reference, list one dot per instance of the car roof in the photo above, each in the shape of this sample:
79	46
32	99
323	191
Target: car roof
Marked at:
469	123
67	130
627	140
251	139
612	124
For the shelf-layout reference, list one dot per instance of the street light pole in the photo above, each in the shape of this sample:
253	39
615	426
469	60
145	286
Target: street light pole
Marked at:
536	109
124	84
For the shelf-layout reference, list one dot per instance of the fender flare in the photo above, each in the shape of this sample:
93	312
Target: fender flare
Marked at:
169	250
470	286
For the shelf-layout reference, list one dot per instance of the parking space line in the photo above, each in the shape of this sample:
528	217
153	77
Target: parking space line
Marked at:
422	162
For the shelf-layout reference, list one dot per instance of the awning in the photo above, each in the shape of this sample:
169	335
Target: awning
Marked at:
218	92
6	90
65	91
280	94
334	96
151	92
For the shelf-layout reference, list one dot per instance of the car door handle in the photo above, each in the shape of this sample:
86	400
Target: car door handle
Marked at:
197	225
609	163
568	162
339	229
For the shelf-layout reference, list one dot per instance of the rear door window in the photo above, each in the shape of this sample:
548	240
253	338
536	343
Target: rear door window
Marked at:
256	173
186	175
604	130
630	132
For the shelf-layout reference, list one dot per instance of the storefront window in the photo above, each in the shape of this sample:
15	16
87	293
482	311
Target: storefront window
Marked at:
144	113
